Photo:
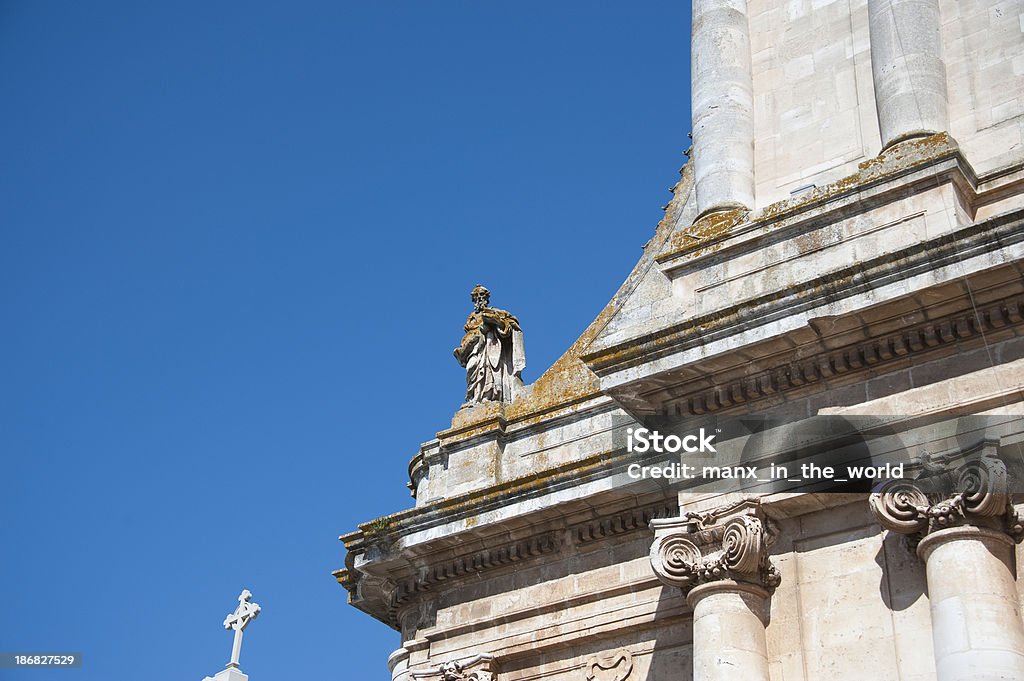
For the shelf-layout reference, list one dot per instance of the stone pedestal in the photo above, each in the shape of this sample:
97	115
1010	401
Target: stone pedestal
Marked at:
976	623
229	674
728	631
907	69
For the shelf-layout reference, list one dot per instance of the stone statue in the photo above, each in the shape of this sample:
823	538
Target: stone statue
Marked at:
491	351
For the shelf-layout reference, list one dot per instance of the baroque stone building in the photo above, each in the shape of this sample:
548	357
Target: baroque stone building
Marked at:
847	239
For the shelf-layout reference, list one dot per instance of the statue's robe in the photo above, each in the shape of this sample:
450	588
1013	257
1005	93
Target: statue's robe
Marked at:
492	353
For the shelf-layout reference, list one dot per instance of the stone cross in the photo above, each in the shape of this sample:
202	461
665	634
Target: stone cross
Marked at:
238	620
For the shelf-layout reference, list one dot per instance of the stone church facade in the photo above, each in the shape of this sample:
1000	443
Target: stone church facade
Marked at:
846	240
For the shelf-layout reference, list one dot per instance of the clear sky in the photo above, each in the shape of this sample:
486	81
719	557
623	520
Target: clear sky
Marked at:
238	241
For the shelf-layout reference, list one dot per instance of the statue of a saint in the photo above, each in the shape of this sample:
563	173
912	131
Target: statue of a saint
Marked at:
491	351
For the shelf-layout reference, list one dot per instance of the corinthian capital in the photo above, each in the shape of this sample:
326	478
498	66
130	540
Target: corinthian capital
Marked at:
729	543
974	493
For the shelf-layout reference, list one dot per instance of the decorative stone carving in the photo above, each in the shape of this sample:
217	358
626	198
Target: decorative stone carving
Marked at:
452	671
614	666
728	544
942	496
491	351
478	668
720	561
958	513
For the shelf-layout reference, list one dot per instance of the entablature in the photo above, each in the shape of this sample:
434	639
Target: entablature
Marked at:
962	287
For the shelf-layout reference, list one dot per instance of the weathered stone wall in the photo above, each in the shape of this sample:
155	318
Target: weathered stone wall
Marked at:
851	598
849	593
893	286
814	106
547	619
981	42
815	114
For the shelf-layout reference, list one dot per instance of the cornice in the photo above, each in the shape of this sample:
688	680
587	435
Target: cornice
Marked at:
420	575
621	523
893	171
974	239
853	358
479	501
473	565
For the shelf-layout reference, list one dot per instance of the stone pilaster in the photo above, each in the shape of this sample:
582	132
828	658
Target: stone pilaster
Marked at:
907	69
720	560
966	530
723	106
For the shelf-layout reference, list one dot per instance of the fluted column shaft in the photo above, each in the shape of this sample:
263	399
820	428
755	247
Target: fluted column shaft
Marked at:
723	106
907	69
976	624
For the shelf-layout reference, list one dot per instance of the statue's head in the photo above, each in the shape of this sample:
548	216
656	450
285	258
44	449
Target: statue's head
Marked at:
481	297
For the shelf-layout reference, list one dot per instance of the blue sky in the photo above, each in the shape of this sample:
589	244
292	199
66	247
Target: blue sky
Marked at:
238	241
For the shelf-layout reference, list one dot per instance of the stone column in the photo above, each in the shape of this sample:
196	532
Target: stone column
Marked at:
729	618
723	106
720	561
966	531
907	69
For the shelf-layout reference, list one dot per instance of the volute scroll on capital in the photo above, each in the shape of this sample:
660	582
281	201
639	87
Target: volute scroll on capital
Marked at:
477	668
699	548
974	493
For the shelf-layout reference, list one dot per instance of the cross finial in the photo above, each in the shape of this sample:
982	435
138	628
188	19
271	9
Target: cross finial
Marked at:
238	620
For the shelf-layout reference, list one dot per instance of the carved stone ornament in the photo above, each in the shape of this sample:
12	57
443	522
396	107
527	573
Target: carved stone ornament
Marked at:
730	543
491	351
613	666
478	668
974	493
